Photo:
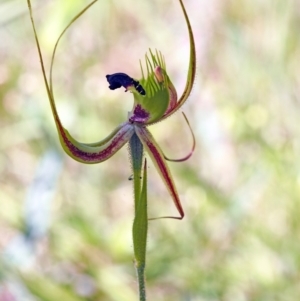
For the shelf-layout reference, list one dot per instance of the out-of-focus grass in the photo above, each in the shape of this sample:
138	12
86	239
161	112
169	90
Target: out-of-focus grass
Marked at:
240	237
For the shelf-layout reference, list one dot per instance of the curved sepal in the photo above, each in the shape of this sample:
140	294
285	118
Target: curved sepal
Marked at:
82	152
160	163
191	69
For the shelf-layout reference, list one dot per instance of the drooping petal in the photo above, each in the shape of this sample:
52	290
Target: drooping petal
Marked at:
82	152
191	69
158	159
193	146
99	151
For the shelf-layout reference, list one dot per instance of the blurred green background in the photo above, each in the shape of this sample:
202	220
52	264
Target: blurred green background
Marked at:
65	227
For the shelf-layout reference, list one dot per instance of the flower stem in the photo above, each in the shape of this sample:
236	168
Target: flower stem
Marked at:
141	280
136	151
140	223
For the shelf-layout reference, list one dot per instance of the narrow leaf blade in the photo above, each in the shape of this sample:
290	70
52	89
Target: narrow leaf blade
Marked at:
140	224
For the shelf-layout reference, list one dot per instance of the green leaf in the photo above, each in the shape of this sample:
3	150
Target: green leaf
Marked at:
140	224
139	231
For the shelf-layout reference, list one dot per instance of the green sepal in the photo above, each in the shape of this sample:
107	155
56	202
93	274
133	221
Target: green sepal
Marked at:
191	68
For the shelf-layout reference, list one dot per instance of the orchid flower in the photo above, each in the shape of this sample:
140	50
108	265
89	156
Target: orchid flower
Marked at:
155	99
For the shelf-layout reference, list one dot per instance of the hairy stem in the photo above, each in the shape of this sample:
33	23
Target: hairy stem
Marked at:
140	270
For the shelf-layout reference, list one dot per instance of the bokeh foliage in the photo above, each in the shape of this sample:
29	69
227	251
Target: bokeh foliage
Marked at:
240	238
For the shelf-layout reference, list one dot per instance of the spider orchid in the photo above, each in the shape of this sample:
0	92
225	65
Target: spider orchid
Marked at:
159	102
155	99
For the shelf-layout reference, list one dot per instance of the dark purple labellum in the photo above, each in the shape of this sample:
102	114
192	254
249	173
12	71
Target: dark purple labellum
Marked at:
118	80
140	115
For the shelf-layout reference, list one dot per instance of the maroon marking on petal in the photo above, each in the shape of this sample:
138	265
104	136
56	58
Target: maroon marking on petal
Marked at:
92	157
140	115
163	168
